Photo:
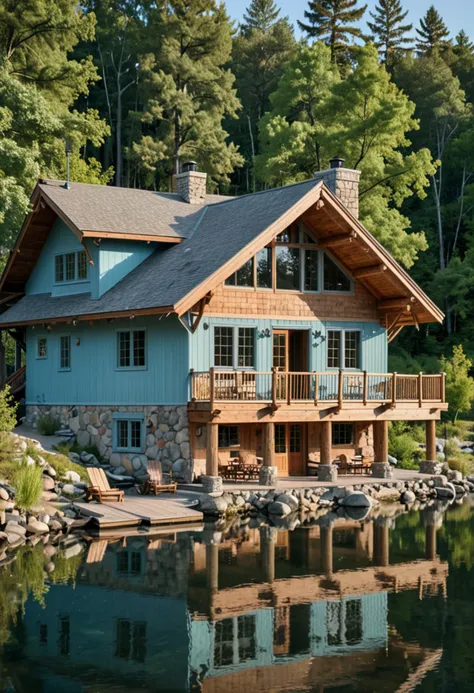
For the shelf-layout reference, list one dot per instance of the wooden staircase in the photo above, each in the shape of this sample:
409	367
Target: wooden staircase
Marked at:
17	383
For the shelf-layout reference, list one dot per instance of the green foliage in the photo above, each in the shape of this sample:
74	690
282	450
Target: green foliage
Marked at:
48	425
459	429
451	449
65	569
260	15
433	32
334	21
389	33
8	456
28	484
460	464
8	408
403	445
62	464
300	134
459	384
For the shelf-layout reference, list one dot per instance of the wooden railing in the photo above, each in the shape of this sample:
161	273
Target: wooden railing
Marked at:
277	387
17	380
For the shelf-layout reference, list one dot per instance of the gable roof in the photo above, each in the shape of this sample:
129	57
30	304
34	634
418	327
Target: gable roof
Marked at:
223	237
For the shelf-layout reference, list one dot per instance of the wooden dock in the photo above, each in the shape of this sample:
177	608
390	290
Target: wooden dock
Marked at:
166	509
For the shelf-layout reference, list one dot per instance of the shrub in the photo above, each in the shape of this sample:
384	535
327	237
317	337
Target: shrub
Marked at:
62	464
47	425
8	452
66	448
8	408
28	483
460	464
451	449
403	446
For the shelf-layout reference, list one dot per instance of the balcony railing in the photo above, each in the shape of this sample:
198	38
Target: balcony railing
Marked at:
279	387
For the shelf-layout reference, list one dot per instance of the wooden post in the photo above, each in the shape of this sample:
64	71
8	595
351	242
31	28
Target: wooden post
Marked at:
381	543
326	548
268	444
365	387
288	387
443	387
2	362
212	387
212	460
340	389
431	440
316	389
381	441
193	394
430	535
420	389
274	387
394	389
325	445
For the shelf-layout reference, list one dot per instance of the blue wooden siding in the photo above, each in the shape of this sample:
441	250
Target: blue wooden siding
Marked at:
60	240
94	378
118	258
373	342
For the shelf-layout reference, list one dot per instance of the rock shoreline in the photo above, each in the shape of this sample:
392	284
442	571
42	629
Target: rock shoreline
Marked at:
277	503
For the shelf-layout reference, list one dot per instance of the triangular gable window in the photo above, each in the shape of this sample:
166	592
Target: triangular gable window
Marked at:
334	278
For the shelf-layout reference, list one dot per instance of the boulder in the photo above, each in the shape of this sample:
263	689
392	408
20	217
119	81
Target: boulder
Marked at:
72	476
212	506
357	499
289	500
34	526
279	508
55	526
74	457
454	475
4	495
49	496
13	527
445	492
48	483
89	458
408	497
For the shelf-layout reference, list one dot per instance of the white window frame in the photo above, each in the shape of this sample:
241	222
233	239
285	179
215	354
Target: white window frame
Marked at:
235	348
76	279
41	358
342	355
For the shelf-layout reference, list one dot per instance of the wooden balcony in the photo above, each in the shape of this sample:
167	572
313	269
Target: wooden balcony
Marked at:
342	392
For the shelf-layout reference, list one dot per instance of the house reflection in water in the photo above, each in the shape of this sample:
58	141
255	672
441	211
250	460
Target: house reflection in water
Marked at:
223	611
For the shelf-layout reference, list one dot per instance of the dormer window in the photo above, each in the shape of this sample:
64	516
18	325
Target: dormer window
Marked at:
70	267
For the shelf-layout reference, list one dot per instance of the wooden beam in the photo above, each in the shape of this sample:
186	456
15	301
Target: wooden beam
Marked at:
368	271
401	302
164	310
131	236
340	239
396	331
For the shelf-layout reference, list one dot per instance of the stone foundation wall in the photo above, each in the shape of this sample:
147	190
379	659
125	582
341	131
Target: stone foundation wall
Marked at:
167	435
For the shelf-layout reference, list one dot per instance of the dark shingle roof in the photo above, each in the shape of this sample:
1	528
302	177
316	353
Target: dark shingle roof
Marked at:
221	231
106	209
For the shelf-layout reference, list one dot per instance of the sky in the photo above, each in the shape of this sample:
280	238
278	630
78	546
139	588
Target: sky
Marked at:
457	14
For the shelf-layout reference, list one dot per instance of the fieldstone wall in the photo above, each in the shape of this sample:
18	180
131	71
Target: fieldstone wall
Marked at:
344	183
167	435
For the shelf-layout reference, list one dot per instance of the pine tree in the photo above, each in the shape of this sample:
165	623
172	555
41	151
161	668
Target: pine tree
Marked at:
188	92
388	30
334	21
463	45
261	15
433	32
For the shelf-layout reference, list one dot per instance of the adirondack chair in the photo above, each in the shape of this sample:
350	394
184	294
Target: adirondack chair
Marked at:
99	489
155	483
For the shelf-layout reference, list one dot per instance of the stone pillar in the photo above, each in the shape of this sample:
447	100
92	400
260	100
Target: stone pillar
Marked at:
211	481
268	537
268	471
380	466
382	541
326	527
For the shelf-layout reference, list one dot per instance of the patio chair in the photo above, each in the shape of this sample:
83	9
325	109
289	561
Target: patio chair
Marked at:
99	489
155	483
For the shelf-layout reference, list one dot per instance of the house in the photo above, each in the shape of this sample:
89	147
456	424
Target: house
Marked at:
188	327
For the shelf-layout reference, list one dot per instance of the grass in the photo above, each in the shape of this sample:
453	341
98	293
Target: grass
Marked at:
28	483
60	463
9	455
47	425
66	448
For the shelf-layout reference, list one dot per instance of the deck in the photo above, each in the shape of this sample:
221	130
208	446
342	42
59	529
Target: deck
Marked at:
135	511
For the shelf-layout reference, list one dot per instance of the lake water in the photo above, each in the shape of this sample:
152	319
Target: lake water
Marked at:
340	605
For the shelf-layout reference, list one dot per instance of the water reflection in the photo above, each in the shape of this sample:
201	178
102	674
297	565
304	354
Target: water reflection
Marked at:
334	605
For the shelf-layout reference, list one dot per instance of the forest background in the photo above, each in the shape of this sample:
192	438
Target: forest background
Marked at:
140	86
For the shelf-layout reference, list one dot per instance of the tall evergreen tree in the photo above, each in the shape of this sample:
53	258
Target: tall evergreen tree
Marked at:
261	15
334	21
388	28
433	32
188	92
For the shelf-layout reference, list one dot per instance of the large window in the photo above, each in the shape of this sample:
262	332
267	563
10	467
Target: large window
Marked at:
228	437
131	640
334	278
129	434
264	269
342	434
311	270
65	353
70	267
235	641
343	349
234	347
243	276
131	349
288	268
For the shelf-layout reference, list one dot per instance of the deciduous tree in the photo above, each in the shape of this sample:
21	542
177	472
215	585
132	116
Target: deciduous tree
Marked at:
459	384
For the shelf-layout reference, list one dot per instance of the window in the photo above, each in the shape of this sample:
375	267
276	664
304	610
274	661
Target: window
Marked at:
311	270
131	349
243	276
334	623
64	639
334	278
234	350
129	562
246	347
334	349
129	434
43	634
345	342
287	268
246	636
131	640
264	268
352	349
228	437
280	438
41	348
354	625
342	434
224	643
65	353
70	267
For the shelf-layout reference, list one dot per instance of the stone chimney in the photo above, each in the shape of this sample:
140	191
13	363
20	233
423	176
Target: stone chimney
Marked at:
343	182
191	184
